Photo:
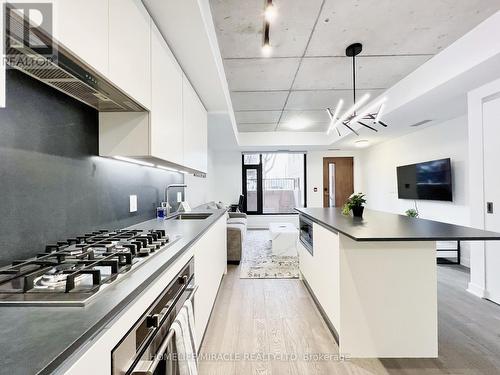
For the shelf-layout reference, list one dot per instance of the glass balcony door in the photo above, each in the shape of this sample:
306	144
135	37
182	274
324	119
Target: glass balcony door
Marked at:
252	191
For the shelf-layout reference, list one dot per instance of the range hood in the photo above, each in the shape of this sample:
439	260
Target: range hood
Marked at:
61	69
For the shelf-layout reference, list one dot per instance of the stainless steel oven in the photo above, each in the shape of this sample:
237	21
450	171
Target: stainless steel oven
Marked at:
306	233
148	348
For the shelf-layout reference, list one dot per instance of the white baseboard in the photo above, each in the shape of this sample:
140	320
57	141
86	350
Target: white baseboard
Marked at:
495	298
476	290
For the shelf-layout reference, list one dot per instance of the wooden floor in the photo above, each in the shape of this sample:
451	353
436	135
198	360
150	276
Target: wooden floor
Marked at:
273	327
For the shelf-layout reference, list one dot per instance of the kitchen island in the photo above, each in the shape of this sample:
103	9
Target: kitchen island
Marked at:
375	279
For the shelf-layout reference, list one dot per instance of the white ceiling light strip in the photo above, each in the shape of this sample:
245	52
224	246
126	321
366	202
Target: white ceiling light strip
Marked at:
379	114
366	111
335	115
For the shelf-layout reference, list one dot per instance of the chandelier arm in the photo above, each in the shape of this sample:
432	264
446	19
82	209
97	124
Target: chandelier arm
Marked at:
367	126
351	129
382	123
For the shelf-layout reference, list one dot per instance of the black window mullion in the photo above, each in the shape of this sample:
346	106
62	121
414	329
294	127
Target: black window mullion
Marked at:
244	169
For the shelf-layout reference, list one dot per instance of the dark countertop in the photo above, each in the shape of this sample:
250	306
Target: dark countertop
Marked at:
384	226
38	339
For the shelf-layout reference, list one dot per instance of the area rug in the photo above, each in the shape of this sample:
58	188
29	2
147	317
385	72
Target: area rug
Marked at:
258	262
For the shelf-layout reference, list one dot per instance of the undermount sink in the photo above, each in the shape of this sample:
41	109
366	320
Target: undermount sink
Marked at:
192	216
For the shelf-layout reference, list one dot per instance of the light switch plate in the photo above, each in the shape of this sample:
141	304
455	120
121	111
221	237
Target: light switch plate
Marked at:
133	203
179	196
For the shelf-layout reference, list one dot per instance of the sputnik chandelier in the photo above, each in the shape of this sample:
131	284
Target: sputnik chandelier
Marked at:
370	115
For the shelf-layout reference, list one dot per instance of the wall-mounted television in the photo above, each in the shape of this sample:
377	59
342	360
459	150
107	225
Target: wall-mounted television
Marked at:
430	180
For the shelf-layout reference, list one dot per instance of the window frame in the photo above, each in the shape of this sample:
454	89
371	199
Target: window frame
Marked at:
260	189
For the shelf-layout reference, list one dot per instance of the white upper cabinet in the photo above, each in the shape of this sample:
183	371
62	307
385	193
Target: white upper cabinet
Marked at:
195	129
167	136
130	48
82	26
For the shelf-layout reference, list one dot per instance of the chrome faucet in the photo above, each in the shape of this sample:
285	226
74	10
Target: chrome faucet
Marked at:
165	197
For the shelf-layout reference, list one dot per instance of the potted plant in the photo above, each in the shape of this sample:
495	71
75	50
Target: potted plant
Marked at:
411	212
355	204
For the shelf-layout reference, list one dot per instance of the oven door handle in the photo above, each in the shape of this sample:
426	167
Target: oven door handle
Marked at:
164	345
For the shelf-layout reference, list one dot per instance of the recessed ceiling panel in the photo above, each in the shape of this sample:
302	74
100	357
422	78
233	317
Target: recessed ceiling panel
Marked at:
321	99
239	26
260	74
256	127
316	127
387	27
308	116
260	100
372	72
257	117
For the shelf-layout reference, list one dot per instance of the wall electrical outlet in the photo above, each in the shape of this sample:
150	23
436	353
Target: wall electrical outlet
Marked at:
133	203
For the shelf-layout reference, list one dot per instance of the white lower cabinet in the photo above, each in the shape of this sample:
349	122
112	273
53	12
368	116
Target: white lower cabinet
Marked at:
210	263
322	271
379	296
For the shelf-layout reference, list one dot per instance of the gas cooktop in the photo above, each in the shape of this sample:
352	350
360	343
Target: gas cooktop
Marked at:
71	272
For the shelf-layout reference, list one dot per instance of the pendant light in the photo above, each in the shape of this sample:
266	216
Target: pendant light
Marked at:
371	113
269	16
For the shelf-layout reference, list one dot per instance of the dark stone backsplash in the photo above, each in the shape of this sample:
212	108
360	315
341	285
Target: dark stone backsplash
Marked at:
53	184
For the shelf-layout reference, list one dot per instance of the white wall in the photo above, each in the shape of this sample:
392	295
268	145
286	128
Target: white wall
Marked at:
226	186
199	189
478	260
223	181
315	174
446	140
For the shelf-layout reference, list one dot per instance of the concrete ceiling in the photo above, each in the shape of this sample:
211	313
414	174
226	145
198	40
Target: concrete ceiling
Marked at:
308	70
